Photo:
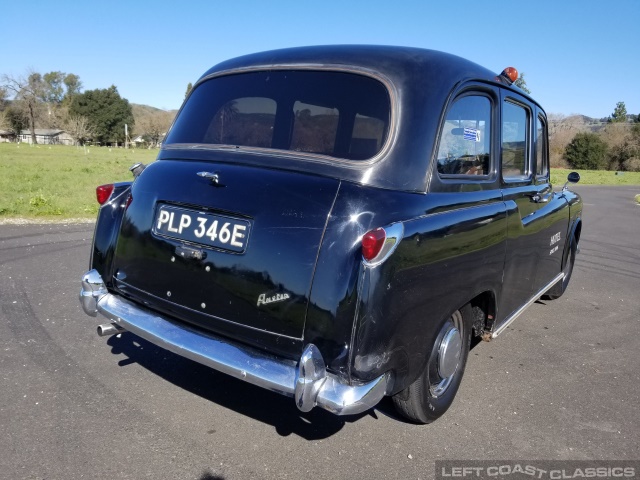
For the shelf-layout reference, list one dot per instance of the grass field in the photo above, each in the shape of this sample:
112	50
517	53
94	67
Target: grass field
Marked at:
596	177
58	182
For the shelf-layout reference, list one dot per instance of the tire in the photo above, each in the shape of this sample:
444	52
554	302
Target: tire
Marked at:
431	395
559	288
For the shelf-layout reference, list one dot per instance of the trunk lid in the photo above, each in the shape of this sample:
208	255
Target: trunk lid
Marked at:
236	256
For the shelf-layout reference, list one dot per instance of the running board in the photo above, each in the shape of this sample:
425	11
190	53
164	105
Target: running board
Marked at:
517	313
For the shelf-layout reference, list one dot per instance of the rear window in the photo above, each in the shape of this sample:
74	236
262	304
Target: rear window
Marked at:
342	115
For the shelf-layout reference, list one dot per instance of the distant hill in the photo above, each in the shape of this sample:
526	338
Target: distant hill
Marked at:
146	110
575	122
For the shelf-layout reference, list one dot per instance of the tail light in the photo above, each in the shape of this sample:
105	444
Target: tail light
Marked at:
103	192
372	243
379	244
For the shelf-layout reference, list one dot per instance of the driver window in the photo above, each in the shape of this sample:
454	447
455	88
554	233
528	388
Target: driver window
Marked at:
465	141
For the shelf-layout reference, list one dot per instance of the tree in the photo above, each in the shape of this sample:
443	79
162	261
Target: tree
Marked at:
28	93
15	121
107	112
189	87
73	84
152	127
620	113
3	99
587	151
522	83
79	128
59	87
53	90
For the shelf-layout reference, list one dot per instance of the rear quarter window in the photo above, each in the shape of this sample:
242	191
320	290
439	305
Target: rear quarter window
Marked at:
337	114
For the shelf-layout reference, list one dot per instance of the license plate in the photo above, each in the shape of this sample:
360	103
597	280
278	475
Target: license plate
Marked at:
216	231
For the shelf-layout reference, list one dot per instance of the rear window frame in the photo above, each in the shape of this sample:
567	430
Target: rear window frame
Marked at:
308	156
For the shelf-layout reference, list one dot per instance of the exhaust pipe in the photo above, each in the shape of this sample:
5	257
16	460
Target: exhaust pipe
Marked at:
107	329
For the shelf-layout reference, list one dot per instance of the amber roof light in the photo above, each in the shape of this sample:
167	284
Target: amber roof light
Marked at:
510	74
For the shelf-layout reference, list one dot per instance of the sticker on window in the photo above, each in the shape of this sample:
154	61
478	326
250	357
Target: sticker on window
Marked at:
471	134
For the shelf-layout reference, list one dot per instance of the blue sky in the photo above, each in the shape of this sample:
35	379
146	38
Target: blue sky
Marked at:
577	56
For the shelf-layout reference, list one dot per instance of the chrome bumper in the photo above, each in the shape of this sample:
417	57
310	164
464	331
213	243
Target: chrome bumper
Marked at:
306	380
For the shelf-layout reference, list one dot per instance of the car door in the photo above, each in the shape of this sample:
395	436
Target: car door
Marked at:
552	213
520	193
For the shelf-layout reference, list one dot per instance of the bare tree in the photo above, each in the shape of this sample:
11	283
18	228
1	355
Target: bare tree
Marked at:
153	126
79	128
28	92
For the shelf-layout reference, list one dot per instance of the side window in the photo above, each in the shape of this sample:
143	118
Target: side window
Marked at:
465	141
542	160
515	146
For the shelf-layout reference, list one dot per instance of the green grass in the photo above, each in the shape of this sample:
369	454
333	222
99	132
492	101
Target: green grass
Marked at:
50	182
58	182
596	177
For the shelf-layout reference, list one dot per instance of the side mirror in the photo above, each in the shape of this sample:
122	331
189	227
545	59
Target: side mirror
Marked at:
573	177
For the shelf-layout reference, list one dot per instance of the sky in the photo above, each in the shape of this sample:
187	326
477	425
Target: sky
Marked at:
577	56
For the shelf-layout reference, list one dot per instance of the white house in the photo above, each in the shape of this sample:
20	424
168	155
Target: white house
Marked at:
47	136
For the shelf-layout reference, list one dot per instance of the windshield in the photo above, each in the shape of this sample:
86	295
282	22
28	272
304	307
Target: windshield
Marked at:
342	115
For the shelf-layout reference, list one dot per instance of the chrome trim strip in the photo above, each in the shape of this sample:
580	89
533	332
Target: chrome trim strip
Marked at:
306	380
517	313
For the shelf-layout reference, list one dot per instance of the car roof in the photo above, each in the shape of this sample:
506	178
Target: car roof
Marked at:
393	62
421	83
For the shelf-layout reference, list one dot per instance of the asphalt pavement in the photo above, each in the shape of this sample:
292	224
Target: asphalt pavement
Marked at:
563	382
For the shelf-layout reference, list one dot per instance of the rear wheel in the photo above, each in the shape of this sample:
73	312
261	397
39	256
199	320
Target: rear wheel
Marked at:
426	399
559	288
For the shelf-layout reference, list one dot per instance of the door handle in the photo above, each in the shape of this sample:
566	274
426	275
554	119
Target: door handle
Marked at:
537	198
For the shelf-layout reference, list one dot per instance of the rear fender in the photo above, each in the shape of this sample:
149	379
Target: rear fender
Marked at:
443	262
106	230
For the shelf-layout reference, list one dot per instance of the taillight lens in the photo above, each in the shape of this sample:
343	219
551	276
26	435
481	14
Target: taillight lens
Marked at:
372	243
103	192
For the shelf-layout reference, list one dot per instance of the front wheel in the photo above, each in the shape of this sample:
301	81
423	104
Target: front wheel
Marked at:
426	399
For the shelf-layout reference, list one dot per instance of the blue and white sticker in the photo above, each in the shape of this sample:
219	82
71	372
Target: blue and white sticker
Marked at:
472	134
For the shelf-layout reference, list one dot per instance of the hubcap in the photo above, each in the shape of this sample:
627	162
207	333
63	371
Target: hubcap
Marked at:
448	356
449	353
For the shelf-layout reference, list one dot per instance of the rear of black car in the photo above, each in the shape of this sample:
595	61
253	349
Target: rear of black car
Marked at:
217	241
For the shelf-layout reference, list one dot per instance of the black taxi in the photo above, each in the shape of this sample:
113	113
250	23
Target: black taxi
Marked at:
336	224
